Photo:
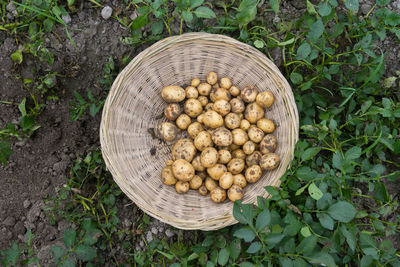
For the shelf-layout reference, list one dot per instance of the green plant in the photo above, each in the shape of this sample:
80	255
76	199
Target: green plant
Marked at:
78	108
13	255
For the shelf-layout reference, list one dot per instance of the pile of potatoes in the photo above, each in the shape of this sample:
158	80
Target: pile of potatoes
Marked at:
230	143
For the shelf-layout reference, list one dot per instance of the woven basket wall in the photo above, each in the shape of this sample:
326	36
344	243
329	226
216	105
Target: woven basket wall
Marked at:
134	106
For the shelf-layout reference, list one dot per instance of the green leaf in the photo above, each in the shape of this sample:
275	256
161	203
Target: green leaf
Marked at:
324	9
315	192
367	261
167	255
307	245
48	25
246	264
392	18
245	233
254	247
351	238
337	160
273	239
57	252
323	258
187	16
5	152
12	254
326	221
235	248
247	12
305	231
342	211
223	256
352	154
296	78
382	2
352	5
157	27
310	8
310	153
195	3
274	5
303	51
204	12
389	82
69	236
316	30
139	22
85	252
17	56
263	220
22	108
259	44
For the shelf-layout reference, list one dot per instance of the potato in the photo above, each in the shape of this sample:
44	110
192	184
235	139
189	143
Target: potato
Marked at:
249	94
204	88
266	125
239	154
265	99
235	193
167	131
249	147
183	149
200	118
209	157
182	170
193	107
203	190
183	121
172	111
194	129
253	173
203	100
239	180
210	184
225	82
169	162
212	78
239	136
219	93
167	176
253	159
209	107
196	163
195	82
222	137
201	174
253	112
269	161
191	92
224	156
234	91
255	134
268	144
196	182
215	86
216	171
222	107
226	180
203	140
233	147
218	195
232	121
236	166
173	94
182	187
244	125
237	105
212	119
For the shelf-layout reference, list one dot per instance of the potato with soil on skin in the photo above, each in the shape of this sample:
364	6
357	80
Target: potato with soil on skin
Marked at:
183	121
196	182
225	83
222	137
253	173
235	193
266	125
265	99
203	190
238	154
218	195
209	106
232	121
212	77
249	94
203	100
182	187
167	176
270	161
194	129
253	159
268	144
173	94
236	166
169	162
193	107
253	112
226	180
255	134
249	147
209	157
222	107
210	184
204	89
183	149
234	91
212	119
245	125
216	171
203	140
219	93
200	118
182	170
233	147
172	111
195	82
239	137
239	180
224	156
167	131
196	163
237	105
191	92
201	174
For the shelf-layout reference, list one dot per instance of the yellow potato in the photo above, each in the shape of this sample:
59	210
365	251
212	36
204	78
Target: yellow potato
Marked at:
249	94
173	94
191	92
204	89
232	121
253	173
253	112
253	159
210	184
195	82
236	166
183	149
268	144
225	83
209	157
167	131
269	161
196	163
219	93
183	121
237	105
224	156
222	137
222	107
182	187
239	180
182	170
172	111
235	193
226	180
203	100
193	107
203	140
212	119
249	147
216	171
234	91
265	99
212	78
194	129
239	137
196	182
266	125
218	195
203	190
167	176
255	134
245	125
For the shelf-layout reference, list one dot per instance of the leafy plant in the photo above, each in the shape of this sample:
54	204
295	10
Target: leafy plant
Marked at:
12	256
78	108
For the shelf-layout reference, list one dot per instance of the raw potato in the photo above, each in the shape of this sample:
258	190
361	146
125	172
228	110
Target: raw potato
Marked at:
202	175
265	99
169	162
167	131
237	105
209	107
224	156
196	163
216	171
253	112
268	144
253	159
233	147
269	161
226	180
210	184
219	93
245	125
203	140
209	157
194	129
172	111
203	100
173	94
167	176
232	121
239	137
204	88
236	166
191	92
182	187
196	182
222	107
239	180
183	170
218	195
253	173
249	147
203	190
184	149
234	91
255	134
195	82
235	193
266	125
200	118
225	83
193	107
249	94
238	154
212	78
183	121
212	119
222	137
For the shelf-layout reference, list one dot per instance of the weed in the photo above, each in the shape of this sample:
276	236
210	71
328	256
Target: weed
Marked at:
13	255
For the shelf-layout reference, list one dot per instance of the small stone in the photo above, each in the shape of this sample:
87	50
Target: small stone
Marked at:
26	203
34	212
9	221
365	8
141	243
169	233
154	230
160	229
19	228
133	15
66	18
106	12
149	237
10	7
29	225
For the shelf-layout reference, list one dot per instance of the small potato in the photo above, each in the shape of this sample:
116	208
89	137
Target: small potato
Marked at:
239	154
182	170
167	131
266	125
216	171
237	105
200	118
253	159
222	107
218	195
268	144
253	112
255	134
183	121
173	94
182	187
234	91
183	149
202	175
249	147
232	121
219	93
224	156
249	94
169	162
172	111
203	140
244	125
209	107
194	129
203	190
239	136
210	184
203	100
269	161
222	137
233	147
204	88
226	180
196	182
193	107
191	92
212	119
167	176
212	78
265	99
225	83
209	157
253	173
195	82
239	180
236	166
196	163
235	193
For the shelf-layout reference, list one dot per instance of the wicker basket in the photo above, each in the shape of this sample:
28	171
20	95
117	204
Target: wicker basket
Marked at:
134	106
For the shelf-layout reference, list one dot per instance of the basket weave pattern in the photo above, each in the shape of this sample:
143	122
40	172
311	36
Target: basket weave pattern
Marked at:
134	106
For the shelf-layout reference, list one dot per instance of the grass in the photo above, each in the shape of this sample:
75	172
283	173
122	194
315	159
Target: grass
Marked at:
346	156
